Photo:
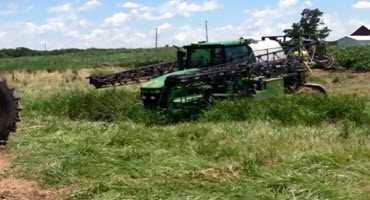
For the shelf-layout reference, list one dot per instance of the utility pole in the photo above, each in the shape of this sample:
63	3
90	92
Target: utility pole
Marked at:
156	38
206	26
43	45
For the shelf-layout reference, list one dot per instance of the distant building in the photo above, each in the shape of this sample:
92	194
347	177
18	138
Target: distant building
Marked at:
360	37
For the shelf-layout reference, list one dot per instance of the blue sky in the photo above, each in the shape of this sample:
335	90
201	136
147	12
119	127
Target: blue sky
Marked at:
131	23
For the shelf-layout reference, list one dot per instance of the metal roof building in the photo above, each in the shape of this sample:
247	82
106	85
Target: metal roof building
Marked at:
360	37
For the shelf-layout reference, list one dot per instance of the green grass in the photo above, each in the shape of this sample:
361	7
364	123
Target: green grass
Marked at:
124	105
231	160
94	105
89	59
288	110
104	144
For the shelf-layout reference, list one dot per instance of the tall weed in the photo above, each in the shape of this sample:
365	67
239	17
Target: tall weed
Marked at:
308	110
355	57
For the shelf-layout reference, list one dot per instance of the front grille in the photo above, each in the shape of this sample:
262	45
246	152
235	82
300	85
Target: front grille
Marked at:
153	98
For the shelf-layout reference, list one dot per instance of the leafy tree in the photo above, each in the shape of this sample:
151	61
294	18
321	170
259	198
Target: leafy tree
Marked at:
309	27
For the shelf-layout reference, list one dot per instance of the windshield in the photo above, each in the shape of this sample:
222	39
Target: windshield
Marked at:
202	57
236	53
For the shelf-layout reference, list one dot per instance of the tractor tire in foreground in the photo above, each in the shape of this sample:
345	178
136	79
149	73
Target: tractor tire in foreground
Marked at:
9	111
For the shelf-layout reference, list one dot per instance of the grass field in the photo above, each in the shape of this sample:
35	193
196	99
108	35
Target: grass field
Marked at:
104	145
89	59
350	58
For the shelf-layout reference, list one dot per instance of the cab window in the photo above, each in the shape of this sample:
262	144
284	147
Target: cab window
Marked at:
200	57
219	56
236	53
203	57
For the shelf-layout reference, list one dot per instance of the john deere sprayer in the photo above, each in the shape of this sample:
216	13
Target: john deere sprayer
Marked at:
9	110
206	71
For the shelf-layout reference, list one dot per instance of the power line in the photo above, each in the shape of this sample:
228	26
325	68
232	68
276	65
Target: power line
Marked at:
44	45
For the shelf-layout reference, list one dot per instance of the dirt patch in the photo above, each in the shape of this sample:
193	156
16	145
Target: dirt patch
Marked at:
4	161
345	82
15	189
18	189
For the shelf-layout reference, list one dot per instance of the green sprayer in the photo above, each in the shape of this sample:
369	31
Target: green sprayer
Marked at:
207	71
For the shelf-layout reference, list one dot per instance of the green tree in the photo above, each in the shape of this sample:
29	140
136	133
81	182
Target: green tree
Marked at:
310	26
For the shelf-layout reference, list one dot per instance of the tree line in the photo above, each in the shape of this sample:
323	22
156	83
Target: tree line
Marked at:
22	51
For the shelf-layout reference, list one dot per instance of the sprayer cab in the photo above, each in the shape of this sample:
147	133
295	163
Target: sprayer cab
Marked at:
205	54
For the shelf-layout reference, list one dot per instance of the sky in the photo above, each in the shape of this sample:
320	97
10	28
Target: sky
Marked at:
55	24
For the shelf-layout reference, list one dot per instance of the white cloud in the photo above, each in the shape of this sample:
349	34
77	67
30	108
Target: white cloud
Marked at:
164	27
51	25
171	8
187	36
84	23
333	22
64	8
76	35
71	8
181	37
2	34
89	5
152	16
185	8
111	38
10	9
287	3
68	29
130	4
29	8
271	20
141	35
308	3
113	32
362	5
117	19
342	27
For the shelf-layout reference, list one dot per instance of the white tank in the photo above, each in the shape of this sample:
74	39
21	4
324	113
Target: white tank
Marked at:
268	50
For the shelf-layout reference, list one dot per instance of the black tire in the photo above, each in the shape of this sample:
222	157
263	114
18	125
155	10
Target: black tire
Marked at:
325	62
9	111
208	101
